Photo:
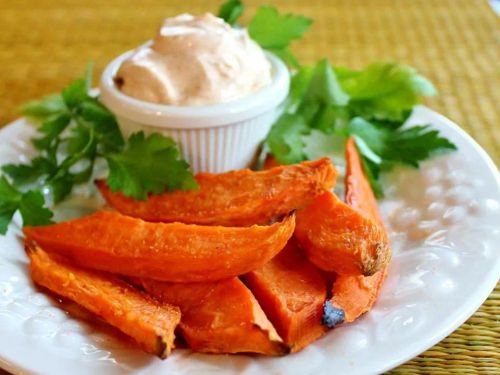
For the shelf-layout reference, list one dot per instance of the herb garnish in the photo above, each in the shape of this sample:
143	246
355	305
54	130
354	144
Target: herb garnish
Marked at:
371	105
75	131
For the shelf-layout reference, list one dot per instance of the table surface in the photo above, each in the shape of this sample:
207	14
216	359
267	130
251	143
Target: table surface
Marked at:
44	44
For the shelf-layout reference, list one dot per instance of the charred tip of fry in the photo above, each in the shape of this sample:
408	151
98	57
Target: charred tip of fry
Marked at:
332	316
29	247
384	254
286	349
371	265
162	348
282	348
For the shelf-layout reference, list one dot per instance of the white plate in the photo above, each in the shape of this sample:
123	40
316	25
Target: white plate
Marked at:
444	221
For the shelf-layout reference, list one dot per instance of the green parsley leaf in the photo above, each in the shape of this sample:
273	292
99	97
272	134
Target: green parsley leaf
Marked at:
330	119
231	10
407	146
81	143
324	86
60	187
148	165
76	93
30	205
52	127
9	202
322	99
32	209
272	30
275	32
104	122
384	91
44	108
315	101
413	145
26	174
299	84
285	138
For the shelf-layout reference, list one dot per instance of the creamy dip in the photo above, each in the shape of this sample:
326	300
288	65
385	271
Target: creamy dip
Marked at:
195	60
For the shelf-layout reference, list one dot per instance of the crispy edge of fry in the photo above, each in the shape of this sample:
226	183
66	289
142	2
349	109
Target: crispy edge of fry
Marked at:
194	253
56	275
237	209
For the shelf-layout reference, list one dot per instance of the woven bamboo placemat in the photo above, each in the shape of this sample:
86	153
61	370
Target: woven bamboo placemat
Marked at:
44	44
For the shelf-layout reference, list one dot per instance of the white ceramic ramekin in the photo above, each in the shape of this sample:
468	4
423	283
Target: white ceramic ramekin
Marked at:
212	138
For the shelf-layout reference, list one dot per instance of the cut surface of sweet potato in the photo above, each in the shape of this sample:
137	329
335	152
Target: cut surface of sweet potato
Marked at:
219	317
148	322
291	292
356	295
237	198
110	241
339	238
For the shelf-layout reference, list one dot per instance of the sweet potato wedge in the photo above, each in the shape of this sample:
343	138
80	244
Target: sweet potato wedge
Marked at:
355	295
339	238
219	317
148	322
236	198
291	292
110	241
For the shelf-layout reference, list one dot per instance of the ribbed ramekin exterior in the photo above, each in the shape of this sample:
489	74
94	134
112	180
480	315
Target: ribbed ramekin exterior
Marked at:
215	149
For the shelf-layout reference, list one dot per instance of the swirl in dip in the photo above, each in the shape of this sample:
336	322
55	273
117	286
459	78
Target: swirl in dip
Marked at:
195	60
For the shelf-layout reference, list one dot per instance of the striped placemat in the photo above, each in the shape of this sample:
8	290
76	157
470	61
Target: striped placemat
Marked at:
44	44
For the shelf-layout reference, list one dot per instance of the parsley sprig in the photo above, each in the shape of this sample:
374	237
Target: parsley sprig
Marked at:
75	131
231	10
275	32
327	105
270	29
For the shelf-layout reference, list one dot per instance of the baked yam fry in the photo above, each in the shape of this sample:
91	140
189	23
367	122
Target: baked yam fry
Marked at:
356	295
110	241
291	292
148	322
219	317
237	198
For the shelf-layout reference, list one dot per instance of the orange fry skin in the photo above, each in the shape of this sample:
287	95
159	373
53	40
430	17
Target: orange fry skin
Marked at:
340	239
358	192
148	322
356	295
236	198
291	292
109	241
219	317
